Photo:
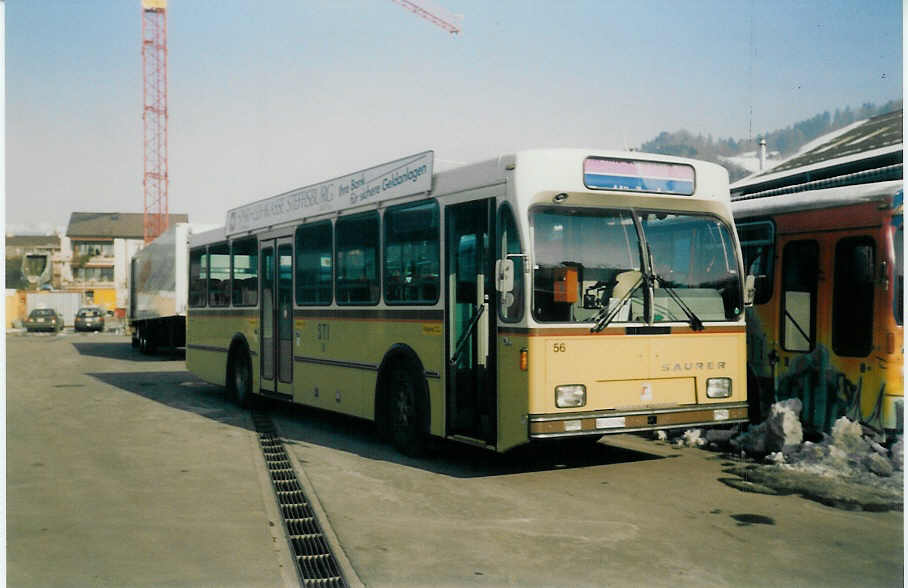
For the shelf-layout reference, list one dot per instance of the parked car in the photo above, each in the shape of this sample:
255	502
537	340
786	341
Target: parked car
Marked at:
89	319
44	319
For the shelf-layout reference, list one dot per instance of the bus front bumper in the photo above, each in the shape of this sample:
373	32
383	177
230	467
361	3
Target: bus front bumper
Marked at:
575	424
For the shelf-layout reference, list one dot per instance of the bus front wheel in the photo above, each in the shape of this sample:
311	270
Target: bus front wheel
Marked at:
239	378
406	413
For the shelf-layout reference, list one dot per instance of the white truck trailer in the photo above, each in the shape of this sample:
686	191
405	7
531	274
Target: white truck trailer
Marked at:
158	288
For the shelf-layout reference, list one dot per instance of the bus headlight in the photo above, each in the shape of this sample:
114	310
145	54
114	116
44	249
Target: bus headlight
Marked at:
570	396
718	387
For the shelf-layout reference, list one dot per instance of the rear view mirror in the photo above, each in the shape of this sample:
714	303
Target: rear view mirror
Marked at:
504	275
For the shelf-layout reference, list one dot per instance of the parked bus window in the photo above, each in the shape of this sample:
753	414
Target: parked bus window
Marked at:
314	280
198	277
758	249
412	266
898	301
245	272
800	264
357	259
219	275
852	300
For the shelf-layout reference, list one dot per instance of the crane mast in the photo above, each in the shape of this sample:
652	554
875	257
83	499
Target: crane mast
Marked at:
434	14
154	116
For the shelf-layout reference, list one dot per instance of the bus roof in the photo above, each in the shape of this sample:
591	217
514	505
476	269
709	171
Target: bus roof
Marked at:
883	192
533	171
207	237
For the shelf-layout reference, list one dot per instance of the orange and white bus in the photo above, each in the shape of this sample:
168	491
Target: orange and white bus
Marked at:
541	294
827	321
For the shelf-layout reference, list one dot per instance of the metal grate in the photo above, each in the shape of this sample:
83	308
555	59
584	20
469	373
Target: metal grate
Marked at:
315	563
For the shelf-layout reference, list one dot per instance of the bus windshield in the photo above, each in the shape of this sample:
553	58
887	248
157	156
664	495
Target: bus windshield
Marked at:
590	261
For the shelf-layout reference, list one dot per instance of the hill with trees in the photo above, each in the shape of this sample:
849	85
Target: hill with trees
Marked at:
787	141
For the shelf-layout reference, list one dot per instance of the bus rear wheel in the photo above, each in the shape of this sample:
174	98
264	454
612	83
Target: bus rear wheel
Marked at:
239	379
406	413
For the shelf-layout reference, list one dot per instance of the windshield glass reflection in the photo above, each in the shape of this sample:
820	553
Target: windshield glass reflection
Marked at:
589	261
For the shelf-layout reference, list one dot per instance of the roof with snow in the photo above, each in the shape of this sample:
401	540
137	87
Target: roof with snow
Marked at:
121	225
864	152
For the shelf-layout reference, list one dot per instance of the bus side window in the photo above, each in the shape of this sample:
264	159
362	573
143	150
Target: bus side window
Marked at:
758	249
898	271
313	264
800	267
412	267
356	258
244	272
219	275
198	277
852	299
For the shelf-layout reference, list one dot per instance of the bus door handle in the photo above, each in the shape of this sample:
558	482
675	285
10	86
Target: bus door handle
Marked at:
482	329
465	336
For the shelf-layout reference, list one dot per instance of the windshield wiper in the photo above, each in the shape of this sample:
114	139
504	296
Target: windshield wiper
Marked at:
695	323
604	316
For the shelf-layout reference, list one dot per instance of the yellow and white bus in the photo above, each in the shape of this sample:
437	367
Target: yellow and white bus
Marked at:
543	294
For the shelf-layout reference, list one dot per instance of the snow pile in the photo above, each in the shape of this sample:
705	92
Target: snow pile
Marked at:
713	438
691	438
846	469
898	451
781	432
846	453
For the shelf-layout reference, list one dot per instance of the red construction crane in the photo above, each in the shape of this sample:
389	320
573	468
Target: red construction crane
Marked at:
154	116
434	14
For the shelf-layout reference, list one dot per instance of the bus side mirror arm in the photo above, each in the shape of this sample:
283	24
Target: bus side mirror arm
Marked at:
750	289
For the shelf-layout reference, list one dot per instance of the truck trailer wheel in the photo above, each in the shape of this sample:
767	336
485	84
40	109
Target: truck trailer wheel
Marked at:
146	345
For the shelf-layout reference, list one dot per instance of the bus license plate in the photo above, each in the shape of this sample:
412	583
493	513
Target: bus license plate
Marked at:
610	423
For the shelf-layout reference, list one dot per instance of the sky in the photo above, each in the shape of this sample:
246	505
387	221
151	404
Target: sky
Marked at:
264	97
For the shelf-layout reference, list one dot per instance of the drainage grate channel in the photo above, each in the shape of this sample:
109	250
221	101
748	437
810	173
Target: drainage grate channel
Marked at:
315	563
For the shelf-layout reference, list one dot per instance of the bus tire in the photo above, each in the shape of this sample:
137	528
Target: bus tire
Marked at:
406	412
239	378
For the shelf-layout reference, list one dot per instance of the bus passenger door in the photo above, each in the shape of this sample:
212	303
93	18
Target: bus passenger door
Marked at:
276	333
472	402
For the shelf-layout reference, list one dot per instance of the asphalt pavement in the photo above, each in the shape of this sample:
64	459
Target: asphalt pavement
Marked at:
125	470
